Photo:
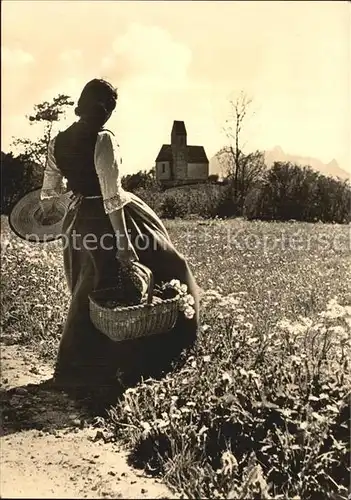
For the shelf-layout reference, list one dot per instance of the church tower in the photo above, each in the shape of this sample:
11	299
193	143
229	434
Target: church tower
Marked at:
179	150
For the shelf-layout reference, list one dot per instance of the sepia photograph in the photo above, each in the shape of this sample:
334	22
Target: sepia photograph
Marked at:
175	249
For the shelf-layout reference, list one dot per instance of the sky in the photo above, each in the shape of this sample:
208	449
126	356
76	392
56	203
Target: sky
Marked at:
183	60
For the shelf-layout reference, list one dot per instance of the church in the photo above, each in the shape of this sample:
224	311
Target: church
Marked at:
177	163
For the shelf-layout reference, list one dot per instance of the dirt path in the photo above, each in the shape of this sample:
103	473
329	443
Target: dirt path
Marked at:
50	449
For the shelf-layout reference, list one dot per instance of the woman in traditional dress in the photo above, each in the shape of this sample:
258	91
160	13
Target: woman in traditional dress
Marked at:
87	156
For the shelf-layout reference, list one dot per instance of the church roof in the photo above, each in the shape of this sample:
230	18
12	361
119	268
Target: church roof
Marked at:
196	154
165	153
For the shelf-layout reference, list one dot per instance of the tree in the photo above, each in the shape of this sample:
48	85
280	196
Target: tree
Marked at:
45	113
243	170
243	176
233	129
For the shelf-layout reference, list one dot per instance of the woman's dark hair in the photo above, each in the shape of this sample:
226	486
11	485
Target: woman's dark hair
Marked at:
97	100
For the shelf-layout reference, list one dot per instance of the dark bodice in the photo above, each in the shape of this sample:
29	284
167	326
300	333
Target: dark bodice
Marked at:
74	155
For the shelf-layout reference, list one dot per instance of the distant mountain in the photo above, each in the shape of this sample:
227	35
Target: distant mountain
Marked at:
277	154
215	167
330	169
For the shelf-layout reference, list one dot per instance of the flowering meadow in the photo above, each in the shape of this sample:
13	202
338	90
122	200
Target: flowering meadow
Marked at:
260	407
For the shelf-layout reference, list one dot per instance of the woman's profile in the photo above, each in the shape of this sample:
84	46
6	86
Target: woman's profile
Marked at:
87	156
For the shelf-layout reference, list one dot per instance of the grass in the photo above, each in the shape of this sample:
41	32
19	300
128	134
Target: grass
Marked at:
260	408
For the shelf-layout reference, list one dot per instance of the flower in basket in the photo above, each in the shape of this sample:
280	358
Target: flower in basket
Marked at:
186	301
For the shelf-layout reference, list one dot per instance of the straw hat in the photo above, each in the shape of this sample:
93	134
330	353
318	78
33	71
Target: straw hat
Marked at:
26	218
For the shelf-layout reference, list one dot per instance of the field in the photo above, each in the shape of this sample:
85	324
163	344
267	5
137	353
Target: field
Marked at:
260	408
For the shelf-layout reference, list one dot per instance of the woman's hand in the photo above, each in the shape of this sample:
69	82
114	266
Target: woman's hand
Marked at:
125	250
127	255
47	213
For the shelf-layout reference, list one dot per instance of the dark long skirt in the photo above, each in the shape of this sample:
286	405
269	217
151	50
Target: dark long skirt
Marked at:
86	356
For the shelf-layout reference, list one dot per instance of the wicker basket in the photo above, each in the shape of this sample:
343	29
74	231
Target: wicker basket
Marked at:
135	321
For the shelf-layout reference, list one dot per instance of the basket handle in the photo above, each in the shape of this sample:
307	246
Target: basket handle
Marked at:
150	276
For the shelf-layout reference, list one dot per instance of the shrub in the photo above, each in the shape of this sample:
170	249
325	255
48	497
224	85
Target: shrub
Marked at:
171	206
18	176
204	201
140	180
151	197
288	191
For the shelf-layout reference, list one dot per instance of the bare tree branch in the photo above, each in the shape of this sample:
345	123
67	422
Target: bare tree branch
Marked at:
242	169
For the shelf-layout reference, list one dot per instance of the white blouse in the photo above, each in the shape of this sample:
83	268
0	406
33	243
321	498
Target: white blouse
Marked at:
107	160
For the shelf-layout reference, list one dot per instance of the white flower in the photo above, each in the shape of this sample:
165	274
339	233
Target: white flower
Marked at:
182	305
335	313
189	312
213	294
189	299
284	324
306	321
186	300
334	310
130	390
227	378
175	283
293	328
146	426
339	331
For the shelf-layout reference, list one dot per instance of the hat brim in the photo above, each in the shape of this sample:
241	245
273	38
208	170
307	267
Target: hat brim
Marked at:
25	220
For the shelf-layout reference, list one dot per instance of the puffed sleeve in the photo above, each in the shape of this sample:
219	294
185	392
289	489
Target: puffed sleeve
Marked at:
53	183
107	162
